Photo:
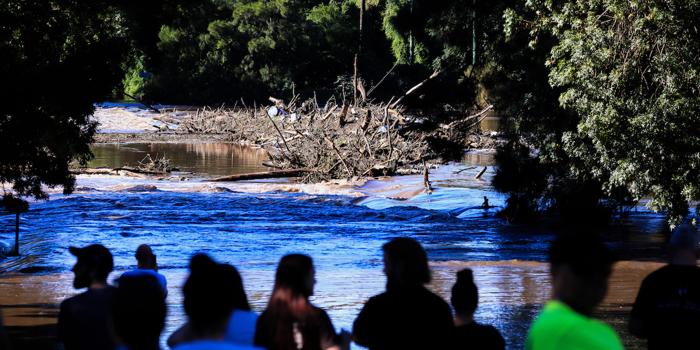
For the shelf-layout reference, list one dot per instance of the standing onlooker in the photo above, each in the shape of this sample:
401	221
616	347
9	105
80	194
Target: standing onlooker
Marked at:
580	266
138	313
468	333
667	309
209	302
290	321
407	315
241	325
84	321
146	264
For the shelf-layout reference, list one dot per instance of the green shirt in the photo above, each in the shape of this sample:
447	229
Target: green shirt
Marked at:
558	327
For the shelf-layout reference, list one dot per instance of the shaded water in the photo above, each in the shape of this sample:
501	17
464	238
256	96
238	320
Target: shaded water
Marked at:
204	158
252	229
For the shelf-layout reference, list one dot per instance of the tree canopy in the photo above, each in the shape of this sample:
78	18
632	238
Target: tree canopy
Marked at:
626	78
59	57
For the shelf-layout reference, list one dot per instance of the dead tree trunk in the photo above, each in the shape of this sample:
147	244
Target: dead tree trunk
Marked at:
16	252
356	64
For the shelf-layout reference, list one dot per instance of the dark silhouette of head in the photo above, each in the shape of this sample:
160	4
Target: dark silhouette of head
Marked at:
93	266
465	295
138	312
685	244
580	265
405	263
295	273
145	257
212	292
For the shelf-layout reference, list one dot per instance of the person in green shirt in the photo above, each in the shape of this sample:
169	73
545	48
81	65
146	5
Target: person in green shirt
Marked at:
580	266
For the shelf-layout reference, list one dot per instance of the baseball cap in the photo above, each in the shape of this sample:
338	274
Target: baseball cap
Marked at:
96	256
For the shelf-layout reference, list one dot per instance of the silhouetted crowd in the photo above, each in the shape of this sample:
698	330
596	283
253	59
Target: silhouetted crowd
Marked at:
131	315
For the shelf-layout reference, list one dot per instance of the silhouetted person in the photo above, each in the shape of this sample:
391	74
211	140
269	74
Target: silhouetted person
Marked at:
485	204
580	266
84	321
146	264
469	334
290	321
667	309
209	302
240	328
407	315
138	313
4	340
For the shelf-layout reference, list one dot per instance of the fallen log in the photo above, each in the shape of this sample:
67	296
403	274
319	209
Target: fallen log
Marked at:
274	174
140	171
478	176
93	171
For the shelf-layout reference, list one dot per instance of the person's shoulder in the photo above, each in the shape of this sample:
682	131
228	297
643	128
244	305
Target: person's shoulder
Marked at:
488	329
141	272
434	299
594	335
244	317
670	271
379	299
68	303
214	345
555	318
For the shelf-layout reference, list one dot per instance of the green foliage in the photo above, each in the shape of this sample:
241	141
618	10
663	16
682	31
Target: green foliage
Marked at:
433	33
220	51
133	83
625	74
59	57
630	69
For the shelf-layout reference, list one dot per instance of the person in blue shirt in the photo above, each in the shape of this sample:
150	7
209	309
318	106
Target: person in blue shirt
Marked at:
138	313
209	300
147	265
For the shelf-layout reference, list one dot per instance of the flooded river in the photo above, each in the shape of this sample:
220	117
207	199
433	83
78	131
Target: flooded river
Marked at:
342	226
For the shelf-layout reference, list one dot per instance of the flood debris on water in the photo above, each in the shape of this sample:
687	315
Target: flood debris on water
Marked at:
336	140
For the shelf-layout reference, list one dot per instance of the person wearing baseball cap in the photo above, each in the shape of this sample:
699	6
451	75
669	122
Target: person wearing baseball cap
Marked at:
667	309
84	320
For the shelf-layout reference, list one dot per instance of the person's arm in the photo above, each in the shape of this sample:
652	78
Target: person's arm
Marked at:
364	327
329	339
640	311
62	328
261	339
498	342
180	336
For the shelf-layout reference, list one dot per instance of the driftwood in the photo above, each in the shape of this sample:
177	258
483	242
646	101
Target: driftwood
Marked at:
140	171
426	179
275	174
478	176
333	140
415	87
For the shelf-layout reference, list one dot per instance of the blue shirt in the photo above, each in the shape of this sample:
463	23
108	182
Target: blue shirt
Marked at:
241	327
214	345
143	272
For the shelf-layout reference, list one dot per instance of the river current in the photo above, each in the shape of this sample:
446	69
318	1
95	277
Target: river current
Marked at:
342	226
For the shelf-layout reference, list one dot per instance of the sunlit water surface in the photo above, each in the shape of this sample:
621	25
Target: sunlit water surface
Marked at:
343	234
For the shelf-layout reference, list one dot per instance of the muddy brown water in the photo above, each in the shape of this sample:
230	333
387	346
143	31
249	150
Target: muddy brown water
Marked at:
343	235
202	158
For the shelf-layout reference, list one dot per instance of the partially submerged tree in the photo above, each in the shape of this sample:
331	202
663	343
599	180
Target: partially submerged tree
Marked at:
626	76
